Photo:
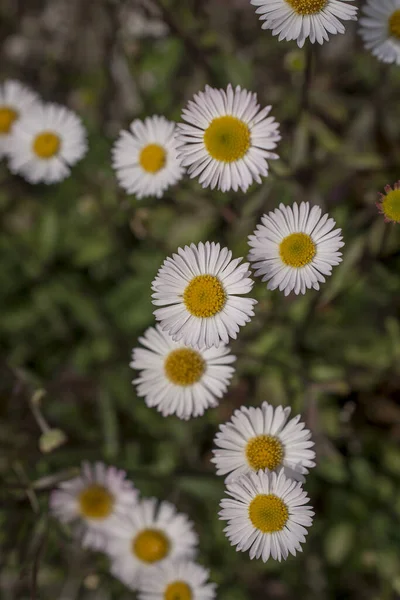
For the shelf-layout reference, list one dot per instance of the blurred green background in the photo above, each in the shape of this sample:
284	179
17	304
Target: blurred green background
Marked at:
77	260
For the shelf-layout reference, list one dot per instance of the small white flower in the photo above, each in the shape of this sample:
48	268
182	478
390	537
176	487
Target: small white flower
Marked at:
268	515
198	288
380	29
294	248
302	19
178	379
145	158
46	141
92	500
263	438
227	138
176	580
15	100
147	536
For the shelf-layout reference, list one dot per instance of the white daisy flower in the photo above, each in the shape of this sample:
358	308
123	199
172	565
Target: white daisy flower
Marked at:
147	536
227	138
178	379
198	288
46	141
267	514
263	438
145	158
176	580
294	248
380	29
15	100
92	500
302	19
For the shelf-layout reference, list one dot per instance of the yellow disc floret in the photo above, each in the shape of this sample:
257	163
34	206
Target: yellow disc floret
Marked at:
95	502
46	144
297	250
152	158
307	7
268	513
390	205
204	296
178	590
184	366
394	24
150	545
264	452
227	138
7	118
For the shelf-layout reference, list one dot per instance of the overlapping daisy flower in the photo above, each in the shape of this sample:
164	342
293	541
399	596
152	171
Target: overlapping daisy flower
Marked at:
15	101
178	379
46	142
227	140
267	514
93	500
302	19
147	536
199	291
176	580
389	203
380	29
263	438
145	158
295	248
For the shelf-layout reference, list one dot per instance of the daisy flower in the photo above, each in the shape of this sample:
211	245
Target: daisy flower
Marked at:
178	379
198	289
380	29
263	438
15	100
176	580
46	141
227	139
146	537
389	204
302	19
295	247
145	158
92	500
267	514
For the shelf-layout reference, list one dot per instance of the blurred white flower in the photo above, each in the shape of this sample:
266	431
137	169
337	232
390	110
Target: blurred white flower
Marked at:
15	101
176	580
380	29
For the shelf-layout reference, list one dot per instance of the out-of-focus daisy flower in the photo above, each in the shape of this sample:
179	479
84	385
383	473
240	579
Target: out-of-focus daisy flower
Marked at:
15	100
267	514
302	19
92	500
198	289
389	203
227	139
380	29
46	142
145	158
263	438
176	580
295	247
149	535
178	379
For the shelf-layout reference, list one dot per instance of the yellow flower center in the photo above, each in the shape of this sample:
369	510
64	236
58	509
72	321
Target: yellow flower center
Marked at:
204	296
268	513
150	545
46	144
297	250
7	118
96	502
307	7
184	366
264	452
152	158
227	138
394	24
178	590
391	205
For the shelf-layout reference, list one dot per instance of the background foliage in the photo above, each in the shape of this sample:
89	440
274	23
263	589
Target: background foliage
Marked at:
77	260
